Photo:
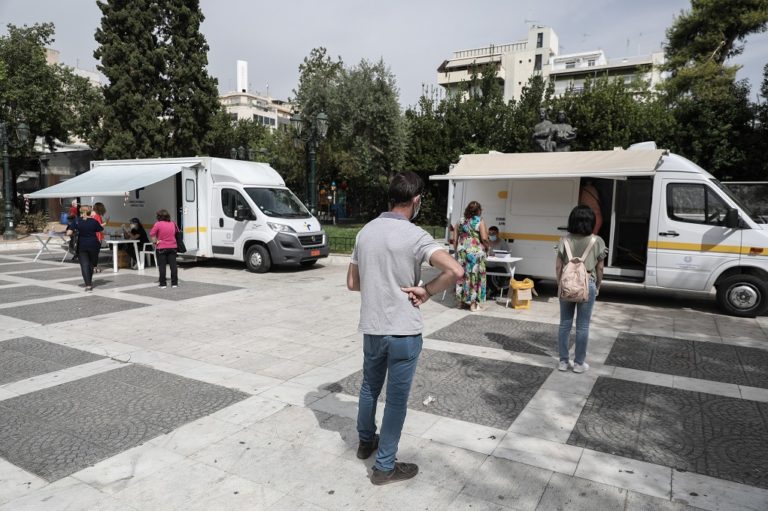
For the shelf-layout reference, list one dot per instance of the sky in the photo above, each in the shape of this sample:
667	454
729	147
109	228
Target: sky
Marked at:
412	36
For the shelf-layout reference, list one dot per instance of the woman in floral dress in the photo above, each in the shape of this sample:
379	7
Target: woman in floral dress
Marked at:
471	248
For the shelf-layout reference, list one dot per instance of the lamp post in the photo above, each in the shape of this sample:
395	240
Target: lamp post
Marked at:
310	133
22	133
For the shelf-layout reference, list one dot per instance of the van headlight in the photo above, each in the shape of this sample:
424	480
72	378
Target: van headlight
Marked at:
280	227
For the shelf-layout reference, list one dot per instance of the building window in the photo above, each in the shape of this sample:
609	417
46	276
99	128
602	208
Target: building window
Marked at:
537	64
539	40
233	116
591	63
570	64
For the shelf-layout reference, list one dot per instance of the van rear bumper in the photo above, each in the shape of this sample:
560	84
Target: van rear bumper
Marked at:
286	249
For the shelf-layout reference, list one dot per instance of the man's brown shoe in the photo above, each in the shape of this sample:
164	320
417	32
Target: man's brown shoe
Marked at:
401	472
365	449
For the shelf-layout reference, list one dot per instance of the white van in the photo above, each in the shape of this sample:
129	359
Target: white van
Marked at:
667	222
228	209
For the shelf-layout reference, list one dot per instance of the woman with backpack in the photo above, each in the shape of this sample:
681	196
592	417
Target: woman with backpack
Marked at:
578	253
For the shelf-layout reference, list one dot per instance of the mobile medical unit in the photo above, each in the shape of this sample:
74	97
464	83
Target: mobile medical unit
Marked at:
667	222
227	209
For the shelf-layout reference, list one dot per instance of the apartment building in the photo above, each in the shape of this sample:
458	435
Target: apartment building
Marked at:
242	104
539	53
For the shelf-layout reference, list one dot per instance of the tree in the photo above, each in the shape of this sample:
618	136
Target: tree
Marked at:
713	113
34	92
702	40
370	132
365	143
160	100
608	113
190	99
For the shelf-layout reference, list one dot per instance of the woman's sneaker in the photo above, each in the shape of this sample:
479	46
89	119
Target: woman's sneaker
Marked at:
564	366
401	472
580	368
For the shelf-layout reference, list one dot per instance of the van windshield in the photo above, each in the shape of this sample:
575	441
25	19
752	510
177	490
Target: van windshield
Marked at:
746	209
278	202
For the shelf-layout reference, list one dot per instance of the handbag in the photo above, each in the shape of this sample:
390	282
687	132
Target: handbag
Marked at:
180	246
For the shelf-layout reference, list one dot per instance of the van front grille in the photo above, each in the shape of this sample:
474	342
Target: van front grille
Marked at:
311	239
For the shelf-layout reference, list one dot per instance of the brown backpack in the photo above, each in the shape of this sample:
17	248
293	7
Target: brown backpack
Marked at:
573	285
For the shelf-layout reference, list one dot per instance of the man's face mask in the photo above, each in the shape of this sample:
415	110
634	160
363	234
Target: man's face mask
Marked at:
416	209
493	237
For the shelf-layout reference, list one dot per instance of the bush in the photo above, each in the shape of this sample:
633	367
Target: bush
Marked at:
35	222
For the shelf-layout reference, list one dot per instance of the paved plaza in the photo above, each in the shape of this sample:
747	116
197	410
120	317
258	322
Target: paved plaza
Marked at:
238	391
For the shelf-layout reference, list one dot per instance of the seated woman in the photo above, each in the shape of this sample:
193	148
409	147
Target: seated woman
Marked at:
135	231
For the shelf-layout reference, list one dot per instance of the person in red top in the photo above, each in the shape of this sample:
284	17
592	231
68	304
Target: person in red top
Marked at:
73	209
163	235
98	214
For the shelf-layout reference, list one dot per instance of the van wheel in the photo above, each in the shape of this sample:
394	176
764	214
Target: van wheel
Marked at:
257	259
743	295
308	263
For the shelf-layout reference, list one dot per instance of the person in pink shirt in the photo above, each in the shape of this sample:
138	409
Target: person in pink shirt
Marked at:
163	235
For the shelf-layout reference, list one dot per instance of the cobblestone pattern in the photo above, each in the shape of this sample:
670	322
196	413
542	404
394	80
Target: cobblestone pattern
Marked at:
472	389
66	310
52	274
58	431
21	293
25	357
109	280
17	266
694	359
185	291
718	436
507	334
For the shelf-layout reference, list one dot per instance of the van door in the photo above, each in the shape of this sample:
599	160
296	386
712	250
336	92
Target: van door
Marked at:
537	218
226	232
691	240
189	209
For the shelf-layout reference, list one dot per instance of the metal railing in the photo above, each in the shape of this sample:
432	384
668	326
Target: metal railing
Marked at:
345	244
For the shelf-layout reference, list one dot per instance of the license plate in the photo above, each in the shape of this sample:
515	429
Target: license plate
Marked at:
315	252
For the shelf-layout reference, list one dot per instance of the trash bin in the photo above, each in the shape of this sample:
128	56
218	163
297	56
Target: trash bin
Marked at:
522	293
63	218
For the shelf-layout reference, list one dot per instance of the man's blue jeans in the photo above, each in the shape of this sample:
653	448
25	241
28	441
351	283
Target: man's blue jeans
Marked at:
398	356
583	315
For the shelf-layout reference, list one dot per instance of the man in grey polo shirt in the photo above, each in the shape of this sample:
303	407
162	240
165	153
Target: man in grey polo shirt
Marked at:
386	269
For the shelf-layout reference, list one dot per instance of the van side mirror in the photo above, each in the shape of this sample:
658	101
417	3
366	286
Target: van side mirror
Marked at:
242	214
732	218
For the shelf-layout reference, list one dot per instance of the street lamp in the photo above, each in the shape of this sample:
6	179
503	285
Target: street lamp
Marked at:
316	130
22	133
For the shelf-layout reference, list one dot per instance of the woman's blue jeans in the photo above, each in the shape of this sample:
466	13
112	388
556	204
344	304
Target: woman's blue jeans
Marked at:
583	315
393	357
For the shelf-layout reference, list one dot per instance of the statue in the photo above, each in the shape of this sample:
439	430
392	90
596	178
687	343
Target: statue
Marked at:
563	133
542	133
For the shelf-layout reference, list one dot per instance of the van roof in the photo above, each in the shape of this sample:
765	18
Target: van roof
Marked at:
609	164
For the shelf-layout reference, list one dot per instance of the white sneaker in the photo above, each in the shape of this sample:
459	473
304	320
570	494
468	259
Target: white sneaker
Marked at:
563	365
580	368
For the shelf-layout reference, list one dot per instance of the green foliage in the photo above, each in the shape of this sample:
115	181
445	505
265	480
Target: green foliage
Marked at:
713	115
607	114
365	144
35	222
160	100
50	99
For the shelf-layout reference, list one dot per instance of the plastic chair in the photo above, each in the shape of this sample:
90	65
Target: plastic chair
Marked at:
148	253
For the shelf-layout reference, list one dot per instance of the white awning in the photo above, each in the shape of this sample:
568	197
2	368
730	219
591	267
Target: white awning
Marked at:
602	164
111	180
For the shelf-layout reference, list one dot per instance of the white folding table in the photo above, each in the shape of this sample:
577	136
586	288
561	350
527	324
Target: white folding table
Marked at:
44	238
508	262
